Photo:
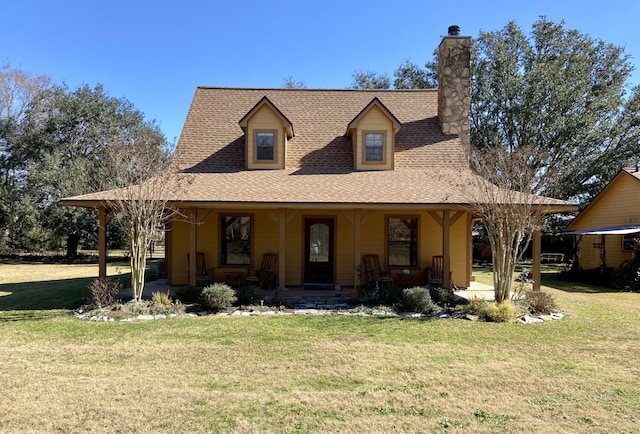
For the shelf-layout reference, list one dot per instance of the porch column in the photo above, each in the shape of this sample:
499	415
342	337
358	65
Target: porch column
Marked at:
446	249
536	253
357	223
193	236
282	221
102	242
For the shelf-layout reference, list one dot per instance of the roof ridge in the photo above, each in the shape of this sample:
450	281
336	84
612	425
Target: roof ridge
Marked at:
306	89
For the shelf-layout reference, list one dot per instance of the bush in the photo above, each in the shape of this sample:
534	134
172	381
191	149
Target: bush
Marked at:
503	312
471	306
417	299
627	277
247	295
148	307
539	302
104	291
441	296
390	295
161	298
188	294
218	296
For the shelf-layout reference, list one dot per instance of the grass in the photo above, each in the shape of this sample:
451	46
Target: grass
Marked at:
306	373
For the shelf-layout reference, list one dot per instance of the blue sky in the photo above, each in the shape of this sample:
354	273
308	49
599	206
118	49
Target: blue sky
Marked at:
155	53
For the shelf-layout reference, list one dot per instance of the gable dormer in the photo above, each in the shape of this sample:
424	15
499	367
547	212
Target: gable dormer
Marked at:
266	134
373	135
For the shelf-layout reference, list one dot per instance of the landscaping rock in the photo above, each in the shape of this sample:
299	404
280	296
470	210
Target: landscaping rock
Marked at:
530	320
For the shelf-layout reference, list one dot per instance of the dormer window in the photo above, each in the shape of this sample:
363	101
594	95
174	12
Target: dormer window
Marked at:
266	134
374	146
266	145
372	134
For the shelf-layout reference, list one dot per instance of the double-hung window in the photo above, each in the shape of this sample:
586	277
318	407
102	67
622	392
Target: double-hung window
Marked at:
402	241
374	146
235	240
265	145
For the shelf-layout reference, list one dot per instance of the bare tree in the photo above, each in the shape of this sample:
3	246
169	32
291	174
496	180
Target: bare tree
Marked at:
147	186
502	196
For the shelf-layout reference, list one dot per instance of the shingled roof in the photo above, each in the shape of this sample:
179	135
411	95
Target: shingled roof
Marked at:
319	162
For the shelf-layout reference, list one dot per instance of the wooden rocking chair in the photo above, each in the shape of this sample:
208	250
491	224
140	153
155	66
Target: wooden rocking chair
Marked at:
265	277
435	275
204	275
374	271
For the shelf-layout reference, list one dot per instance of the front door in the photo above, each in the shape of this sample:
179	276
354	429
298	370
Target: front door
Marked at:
318	250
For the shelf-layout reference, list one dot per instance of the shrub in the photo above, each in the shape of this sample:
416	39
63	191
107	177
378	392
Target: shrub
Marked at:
247	295
476	304
417	299
188	294
148	307
161	298
218	296
503	312
390	295
441	296
539	302
104	291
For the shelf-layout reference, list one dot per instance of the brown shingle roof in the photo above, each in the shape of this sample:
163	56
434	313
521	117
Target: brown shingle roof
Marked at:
319	167
212	141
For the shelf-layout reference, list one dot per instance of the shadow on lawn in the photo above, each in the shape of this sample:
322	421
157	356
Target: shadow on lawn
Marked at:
44	299
551	280
550	277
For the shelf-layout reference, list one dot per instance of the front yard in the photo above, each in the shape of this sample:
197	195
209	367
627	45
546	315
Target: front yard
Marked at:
306	373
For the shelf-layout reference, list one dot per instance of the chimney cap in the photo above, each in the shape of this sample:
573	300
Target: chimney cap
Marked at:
454	30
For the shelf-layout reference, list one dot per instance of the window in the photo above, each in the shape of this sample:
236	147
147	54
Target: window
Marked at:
402	241
373	147
265	145
235	239
631	242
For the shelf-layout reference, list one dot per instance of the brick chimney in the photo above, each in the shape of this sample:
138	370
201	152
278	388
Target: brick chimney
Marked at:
454	84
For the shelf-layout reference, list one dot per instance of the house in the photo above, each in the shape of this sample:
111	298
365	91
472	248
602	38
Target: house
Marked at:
607	228
322	177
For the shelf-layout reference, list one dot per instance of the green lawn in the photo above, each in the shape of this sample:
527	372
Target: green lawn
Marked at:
310	374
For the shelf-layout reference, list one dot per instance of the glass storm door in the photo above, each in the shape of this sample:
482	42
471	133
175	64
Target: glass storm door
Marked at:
318	250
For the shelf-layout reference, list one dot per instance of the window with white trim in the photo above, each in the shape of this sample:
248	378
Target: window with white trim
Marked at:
265	145
374	146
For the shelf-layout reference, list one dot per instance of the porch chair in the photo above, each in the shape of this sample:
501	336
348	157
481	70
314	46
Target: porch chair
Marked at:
374	271
204	275
265	276
435	274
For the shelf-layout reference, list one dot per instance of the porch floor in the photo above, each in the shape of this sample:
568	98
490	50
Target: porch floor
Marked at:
477	290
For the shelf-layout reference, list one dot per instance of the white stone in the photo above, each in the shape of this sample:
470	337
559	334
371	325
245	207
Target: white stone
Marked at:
530	319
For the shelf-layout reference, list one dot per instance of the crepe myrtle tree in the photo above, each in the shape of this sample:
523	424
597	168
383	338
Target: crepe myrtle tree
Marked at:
138	167
503	198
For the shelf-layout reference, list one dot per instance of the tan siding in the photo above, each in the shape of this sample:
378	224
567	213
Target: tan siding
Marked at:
265	233
294	242
265	119
345	268
617	205
459	242
373	121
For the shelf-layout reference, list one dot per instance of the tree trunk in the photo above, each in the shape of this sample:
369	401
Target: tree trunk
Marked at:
72	245
138	260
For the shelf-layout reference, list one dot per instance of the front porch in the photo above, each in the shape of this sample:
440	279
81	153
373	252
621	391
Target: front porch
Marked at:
309	297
